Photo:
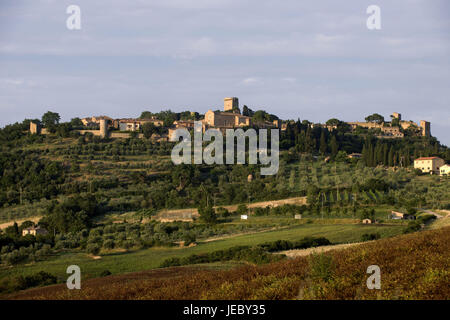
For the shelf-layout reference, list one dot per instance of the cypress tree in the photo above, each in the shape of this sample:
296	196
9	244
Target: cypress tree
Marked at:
323	143
334	146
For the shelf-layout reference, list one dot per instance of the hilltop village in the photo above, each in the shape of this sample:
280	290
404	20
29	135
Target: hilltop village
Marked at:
231	117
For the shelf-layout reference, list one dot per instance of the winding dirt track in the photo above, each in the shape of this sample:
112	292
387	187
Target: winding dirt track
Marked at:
19	221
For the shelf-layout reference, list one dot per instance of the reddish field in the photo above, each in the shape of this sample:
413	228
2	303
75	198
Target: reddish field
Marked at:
413	266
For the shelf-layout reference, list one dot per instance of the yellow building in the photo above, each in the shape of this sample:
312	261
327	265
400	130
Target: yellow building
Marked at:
445	170
217	119
429	164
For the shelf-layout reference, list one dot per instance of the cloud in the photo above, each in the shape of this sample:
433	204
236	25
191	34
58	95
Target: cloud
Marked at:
251	81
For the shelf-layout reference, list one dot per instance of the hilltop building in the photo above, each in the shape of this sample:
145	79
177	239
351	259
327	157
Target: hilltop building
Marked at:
135	124
217	119
392	131
425	128
230	118
429	164
36	128
95	121
231	104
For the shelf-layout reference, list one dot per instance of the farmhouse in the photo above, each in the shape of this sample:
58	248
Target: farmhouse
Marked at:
367	221
445	170
429	164
402	216
34	231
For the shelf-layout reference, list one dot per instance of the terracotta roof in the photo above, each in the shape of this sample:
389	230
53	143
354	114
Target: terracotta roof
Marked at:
426	158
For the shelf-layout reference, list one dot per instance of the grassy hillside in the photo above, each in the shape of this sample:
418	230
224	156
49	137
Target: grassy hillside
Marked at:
413	266
132	261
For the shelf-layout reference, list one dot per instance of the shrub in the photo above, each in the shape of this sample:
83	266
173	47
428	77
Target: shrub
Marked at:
105	273
413	226
41	278
93	249
189	238
370	236
109	244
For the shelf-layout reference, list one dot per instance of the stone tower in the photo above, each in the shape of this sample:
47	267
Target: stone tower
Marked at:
103	128
35	128
397	115
425	126
229	104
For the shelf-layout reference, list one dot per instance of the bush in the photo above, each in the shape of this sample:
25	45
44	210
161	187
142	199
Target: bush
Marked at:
370	236
240	253
305	243
222	212
105	273
41	278
109	244
242	209
189	238
93	249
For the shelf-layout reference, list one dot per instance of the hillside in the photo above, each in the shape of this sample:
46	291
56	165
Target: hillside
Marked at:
413	266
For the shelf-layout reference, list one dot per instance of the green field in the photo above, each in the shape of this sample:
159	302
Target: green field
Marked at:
132	261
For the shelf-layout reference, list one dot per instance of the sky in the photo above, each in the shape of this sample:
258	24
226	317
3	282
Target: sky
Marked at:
312	60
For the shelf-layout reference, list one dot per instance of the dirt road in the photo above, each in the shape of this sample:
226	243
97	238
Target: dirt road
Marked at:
183	214
19	221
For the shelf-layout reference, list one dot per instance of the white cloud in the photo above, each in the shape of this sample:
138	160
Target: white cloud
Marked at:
251	81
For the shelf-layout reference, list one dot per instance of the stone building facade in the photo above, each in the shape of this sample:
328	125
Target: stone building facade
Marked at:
429	164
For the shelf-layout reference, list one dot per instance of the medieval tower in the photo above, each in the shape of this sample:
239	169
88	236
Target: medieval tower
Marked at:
103	128
230	104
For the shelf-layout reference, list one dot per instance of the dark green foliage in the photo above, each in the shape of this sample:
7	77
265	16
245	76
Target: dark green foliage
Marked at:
26	176
375	118
257	254
71	215
370	236
207	214
307	242
105	273
239	253
41	278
